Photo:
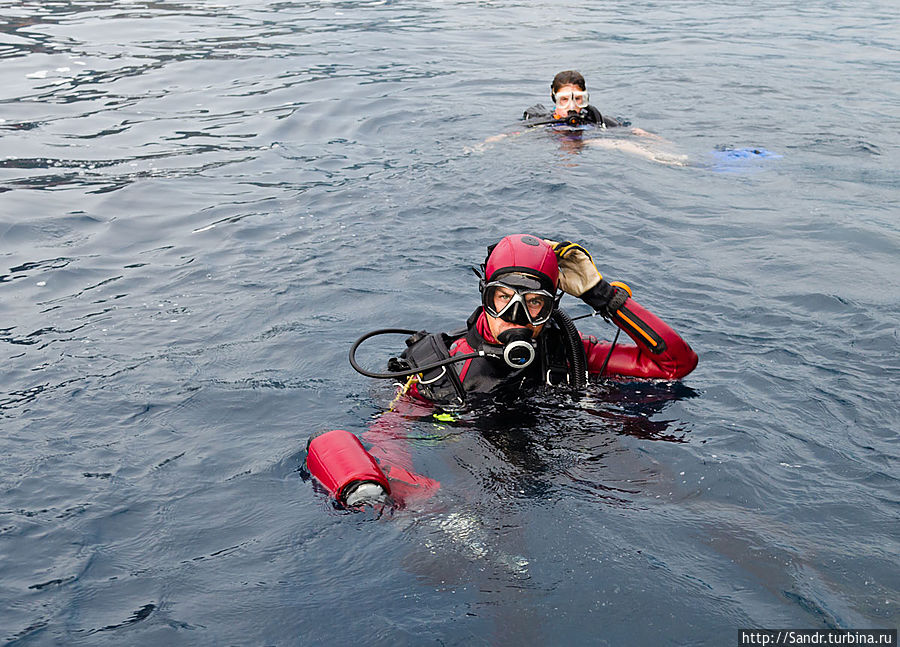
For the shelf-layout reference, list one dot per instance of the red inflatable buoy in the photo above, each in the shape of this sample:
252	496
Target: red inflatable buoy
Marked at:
340	463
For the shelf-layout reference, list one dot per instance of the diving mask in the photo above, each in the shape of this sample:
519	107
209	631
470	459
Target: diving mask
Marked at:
518	300
571	99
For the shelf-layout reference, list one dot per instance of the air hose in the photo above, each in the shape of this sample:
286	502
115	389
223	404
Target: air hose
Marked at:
511	353
574	349
390	375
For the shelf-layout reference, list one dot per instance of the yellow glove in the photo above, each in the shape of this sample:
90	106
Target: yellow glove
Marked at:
577	272
579	277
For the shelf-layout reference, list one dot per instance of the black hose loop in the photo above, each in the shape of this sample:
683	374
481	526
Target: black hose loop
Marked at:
574	350
399	374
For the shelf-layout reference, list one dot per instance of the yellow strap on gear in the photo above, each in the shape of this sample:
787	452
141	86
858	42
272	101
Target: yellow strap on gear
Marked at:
403	390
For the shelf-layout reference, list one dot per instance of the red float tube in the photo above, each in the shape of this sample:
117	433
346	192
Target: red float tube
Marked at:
337	459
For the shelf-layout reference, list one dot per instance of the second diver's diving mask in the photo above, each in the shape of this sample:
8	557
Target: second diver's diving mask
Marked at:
571	100
518	299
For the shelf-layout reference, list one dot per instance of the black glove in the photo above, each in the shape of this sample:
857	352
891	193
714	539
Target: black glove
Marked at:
606	298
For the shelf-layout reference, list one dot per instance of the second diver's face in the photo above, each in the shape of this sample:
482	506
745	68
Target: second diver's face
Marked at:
569	97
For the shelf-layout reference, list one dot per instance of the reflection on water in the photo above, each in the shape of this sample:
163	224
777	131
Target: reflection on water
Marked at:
202	205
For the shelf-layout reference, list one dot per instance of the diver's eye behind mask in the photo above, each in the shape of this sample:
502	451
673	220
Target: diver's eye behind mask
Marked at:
571	100
522	306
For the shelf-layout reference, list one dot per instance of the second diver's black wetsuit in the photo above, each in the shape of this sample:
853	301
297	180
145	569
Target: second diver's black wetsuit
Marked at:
591	115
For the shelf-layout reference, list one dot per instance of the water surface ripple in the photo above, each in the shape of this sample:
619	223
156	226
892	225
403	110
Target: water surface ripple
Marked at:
203	203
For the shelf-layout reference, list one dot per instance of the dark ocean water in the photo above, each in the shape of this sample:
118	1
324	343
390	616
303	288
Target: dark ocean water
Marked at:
202	204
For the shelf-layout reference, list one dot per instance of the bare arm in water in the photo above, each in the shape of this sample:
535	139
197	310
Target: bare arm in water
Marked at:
649	147
640	149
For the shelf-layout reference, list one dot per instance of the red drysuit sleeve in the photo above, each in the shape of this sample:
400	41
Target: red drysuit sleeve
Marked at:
388	443
659	352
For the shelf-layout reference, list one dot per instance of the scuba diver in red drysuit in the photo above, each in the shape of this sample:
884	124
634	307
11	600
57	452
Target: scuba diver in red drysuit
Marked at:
517	338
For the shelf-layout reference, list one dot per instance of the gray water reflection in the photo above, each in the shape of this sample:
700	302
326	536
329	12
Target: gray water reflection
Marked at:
203	204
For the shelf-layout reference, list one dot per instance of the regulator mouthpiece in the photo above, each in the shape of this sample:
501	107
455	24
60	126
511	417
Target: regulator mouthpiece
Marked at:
574	118
518	347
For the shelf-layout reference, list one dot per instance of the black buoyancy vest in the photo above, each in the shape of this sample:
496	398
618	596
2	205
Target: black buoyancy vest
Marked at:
538	115
440	384
484	374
